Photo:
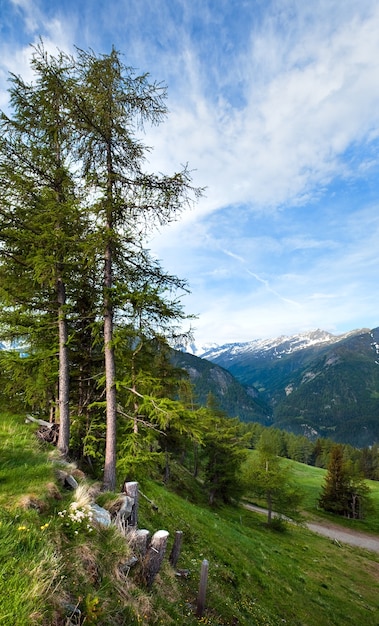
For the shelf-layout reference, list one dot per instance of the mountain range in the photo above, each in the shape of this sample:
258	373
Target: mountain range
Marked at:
316	384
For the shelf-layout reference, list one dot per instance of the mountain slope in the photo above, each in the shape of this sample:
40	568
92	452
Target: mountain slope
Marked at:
316	383
233	398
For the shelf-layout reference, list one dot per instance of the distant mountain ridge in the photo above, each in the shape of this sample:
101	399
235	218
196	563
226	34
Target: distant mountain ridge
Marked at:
283	344
313	383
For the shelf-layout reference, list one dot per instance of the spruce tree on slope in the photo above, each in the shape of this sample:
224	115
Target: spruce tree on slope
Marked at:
344	490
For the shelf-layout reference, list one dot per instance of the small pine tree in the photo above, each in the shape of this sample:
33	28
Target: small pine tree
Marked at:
344	491
266	476
224	452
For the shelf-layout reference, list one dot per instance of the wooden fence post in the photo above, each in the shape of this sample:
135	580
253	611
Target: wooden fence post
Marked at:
175	551
131	490
154	556
202	588
141	541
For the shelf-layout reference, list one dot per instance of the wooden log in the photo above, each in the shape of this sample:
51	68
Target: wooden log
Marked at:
202	589
30	418
177	545
131	490
154	557
153	505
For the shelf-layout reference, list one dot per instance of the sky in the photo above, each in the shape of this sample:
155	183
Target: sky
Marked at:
274	105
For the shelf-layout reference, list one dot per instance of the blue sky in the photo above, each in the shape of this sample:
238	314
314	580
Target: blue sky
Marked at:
275	107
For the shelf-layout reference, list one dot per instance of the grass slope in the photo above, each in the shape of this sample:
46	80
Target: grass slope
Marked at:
256	576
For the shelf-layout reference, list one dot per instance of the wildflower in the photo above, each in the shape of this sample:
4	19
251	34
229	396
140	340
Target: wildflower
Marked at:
22	528
78	517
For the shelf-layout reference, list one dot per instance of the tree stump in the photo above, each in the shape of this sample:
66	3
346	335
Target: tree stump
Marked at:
131	490
175	551
140	541
154	557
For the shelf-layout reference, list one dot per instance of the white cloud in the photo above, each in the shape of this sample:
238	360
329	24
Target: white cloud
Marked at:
267	121
308	100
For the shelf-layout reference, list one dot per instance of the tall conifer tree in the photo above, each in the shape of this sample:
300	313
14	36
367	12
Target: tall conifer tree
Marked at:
76	127
39	208
112	104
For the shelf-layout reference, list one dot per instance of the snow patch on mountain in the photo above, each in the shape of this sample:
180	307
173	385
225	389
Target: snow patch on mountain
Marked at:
278	346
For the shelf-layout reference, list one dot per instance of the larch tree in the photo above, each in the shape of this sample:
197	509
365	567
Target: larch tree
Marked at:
40	217
224	451
266	476
112	104
76	129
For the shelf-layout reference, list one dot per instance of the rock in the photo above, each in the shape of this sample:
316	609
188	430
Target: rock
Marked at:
71	482
100	515
127	506
73	614
67	480
122	507
32	502
128	565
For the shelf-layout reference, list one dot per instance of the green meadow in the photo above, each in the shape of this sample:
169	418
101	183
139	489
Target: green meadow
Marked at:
257	576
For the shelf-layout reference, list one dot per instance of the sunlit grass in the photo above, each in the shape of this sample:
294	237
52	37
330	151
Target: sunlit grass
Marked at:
256	576
24	466
309	481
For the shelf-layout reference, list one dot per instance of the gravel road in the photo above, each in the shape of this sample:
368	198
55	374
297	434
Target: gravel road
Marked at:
335	532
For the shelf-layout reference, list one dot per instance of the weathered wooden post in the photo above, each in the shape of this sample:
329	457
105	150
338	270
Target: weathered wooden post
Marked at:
141	541
202	588
177	545
131	490
154	557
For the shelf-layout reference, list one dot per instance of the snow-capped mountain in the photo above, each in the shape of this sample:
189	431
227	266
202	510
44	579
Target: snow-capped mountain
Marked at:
313	382
199	350
276	347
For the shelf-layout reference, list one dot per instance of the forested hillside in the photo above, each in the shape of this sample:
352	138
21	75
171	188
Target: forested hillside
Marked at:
232	397
329	388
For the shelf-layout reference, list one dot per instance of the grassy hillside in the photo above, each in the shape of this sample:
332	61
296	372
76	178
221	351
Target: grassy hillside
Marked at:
309	480
256	576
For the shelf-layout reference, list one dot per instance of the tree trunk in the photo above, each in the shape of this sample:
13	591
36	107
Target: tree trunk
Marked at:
109	355
64	372
140	541
269	508
195	460
110	374
202	589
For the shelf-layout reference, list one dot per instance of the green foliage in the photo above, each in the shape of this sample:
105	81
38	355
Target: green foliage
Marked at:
266	476
28	381
344	492
369	462
224	453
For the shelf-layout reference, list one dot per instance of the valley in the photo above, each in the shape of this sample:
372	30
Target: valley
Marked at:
314	384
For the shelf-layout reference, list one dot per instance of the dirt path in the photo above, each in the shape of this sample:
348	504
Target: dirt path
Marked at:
335	532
